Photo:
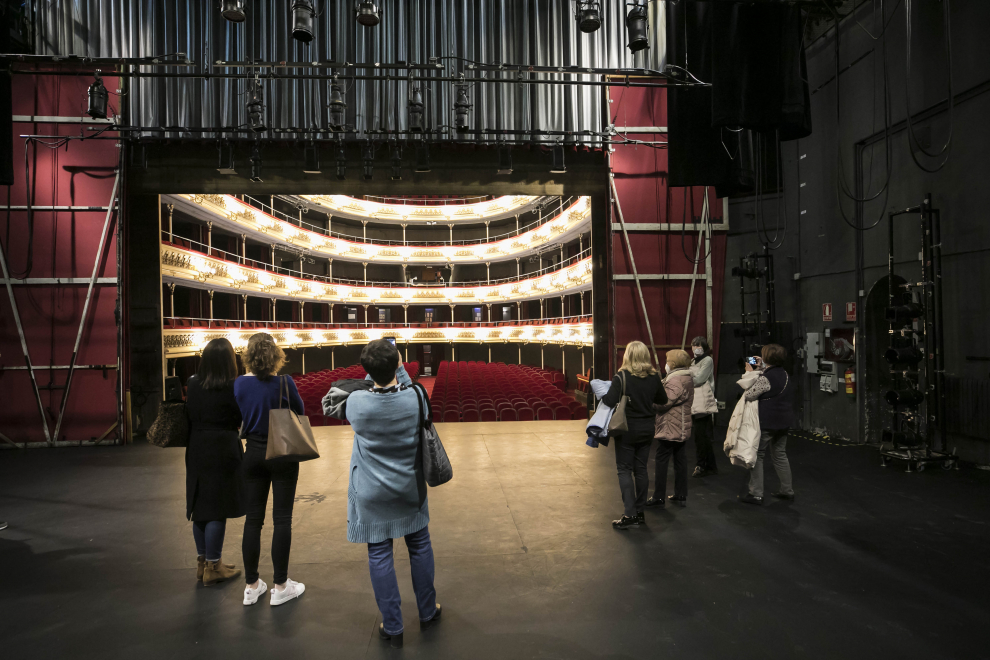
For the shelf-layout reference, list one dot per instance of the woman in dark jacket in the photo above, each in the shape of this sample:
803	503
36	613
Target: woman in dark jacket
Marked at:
632	448
213	458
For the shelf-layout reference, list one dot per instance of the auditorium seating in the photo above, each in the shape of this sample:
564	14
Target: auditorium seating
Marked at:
473	391
315	385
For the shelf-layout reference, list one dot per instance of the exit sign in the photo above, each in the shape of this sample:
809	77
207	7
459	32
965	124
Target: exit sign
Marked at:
826	311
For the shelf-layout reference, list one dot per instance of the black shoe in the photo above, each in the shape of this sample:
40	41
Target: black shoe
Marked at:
679	501
641	517
396	640
423	625
654	502
784	496
749	499
625	522
699	472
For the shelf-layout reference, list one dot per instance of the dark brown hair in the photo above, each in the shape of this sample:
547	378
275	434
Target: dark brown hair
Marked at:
381	360
774	355
263	357
218	366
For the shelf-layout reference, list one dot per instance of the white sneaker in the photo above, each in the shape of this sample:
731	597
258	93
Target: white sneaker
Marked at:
292	590
251	596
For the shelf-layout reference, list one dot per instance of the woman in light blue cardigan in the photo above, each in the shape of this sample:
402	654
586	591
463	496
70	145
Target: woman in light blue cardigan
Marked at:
386	495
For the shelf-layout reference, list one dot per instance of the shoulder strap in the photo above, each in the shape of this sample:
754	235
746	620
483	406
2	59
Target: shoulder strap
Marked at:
622	377
424	415
281	382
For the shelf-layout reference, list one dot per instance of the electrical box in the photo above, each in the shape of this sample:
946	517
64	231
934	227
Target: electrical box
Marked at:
813	348
829	381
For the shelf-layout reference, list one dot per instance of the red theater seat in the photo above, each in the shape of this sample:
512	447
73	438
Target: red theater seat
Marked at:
544	413
471	416
508	415
451	415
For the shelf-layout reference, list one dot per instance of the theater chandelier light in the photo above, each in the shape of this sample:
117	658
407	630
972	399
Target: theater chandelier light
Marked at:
230	212
359	209
182	342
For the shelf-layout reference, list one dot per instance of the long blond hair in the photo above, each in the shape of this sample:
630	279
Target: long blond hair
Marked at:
636	360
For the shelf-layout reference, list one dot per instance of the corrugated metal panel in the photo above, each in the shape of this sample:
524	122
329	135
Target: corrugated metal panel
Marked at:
968	407
541	32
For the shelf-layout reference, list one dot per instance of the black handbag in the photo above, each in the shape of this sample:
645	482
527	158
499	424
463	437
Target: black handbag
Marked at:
171	427
436	466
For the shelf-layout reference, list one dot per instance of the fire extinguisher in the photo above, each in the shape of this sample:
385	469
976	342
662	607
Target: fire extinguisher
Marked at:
850	378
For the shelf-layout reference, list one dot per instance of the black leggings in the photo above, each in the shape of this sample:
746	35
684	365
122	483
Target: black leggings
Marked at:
704	435
260	476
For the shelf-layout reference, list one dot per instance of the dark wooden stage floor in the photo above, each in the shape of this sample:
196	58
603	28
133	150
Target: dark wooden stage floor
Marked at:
869	563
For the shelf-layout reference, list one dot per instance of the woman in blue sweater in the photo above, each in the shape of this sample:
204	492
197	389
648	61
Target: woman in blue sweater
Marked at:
386	495
257	392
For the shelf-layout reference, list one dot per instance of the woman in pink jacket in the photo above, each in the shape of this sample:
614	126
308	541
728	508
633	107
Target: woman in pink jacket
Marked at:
673	428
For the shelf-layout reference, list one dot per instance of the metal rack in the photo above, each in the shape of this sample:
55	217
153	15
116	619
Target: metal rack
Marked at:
758	325
917	433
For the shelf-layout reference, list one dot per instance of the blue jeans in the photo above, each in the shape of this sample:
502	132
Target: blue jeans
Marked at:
209	538
382	565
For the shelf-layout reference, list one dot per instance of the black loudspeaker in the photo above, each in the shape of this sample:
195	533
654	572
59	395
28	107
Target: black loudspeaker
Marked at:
6	131
759	71
173	389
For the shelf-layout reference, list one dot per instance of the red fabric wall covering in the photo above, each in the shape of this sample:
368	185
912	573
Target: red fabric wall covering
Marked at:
65	244
641	184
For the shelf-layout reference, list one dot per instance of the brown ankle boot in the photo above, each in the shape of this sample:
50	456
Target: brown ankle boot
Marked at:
217	571
200	567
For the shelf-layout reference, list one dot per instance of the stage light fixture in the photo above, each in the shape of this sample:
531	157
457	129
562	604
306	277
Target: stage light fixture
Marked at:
302	20
97	99
903	315
312	159
637	28
558	167
589	16
396	161
367	13
233	10
338	106
256	107
904	397
461	108
256	164
368	157
415	108
226	160
904	355
422	157
504	160
750	271
904	438
341	159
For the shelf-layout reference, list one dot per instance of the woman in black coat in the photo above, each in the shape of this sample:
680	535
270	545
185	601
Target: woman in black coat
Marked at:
214	482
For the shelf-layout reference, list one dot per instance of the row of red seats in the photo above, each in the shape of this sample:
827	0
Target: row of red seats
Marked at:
486	392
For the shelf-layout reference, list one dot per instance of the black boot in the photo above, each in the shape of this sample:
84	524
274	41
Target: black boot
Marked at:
396	640
625	522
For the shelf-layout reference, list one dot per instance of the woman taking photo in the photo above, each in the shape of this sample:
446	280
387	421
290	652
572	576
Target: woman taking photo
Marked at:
257	392
213	459
638	380
704	408
673	428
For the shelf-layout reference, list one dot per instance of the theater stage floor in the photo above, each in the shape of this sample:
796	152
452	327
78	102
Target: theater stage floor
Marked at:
98	561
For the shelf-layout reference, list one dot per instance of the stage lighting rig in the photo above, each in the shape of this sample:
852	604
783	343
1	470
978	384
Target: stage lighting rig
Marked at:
338	106
749	270
903	315
226	158
903	438
422	157
504	159
559	166
415	108
367	13
637	28
368	156
311	156
341	159
589	16
256	107
256	164
233	10
461	107
396	161
910	355
904	397
302	20
97	99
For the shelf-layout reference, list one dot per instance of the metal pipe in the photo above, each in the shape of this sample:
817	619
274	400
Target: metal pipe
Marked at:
85	310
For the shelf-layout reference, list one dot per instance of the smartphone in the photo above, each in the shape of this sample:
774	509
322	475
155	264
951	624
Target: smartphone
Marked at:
753	361
391	340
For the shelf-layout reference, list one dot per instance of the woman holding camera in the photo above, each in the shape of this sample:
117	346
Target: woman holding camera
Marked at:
638	380
775	393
